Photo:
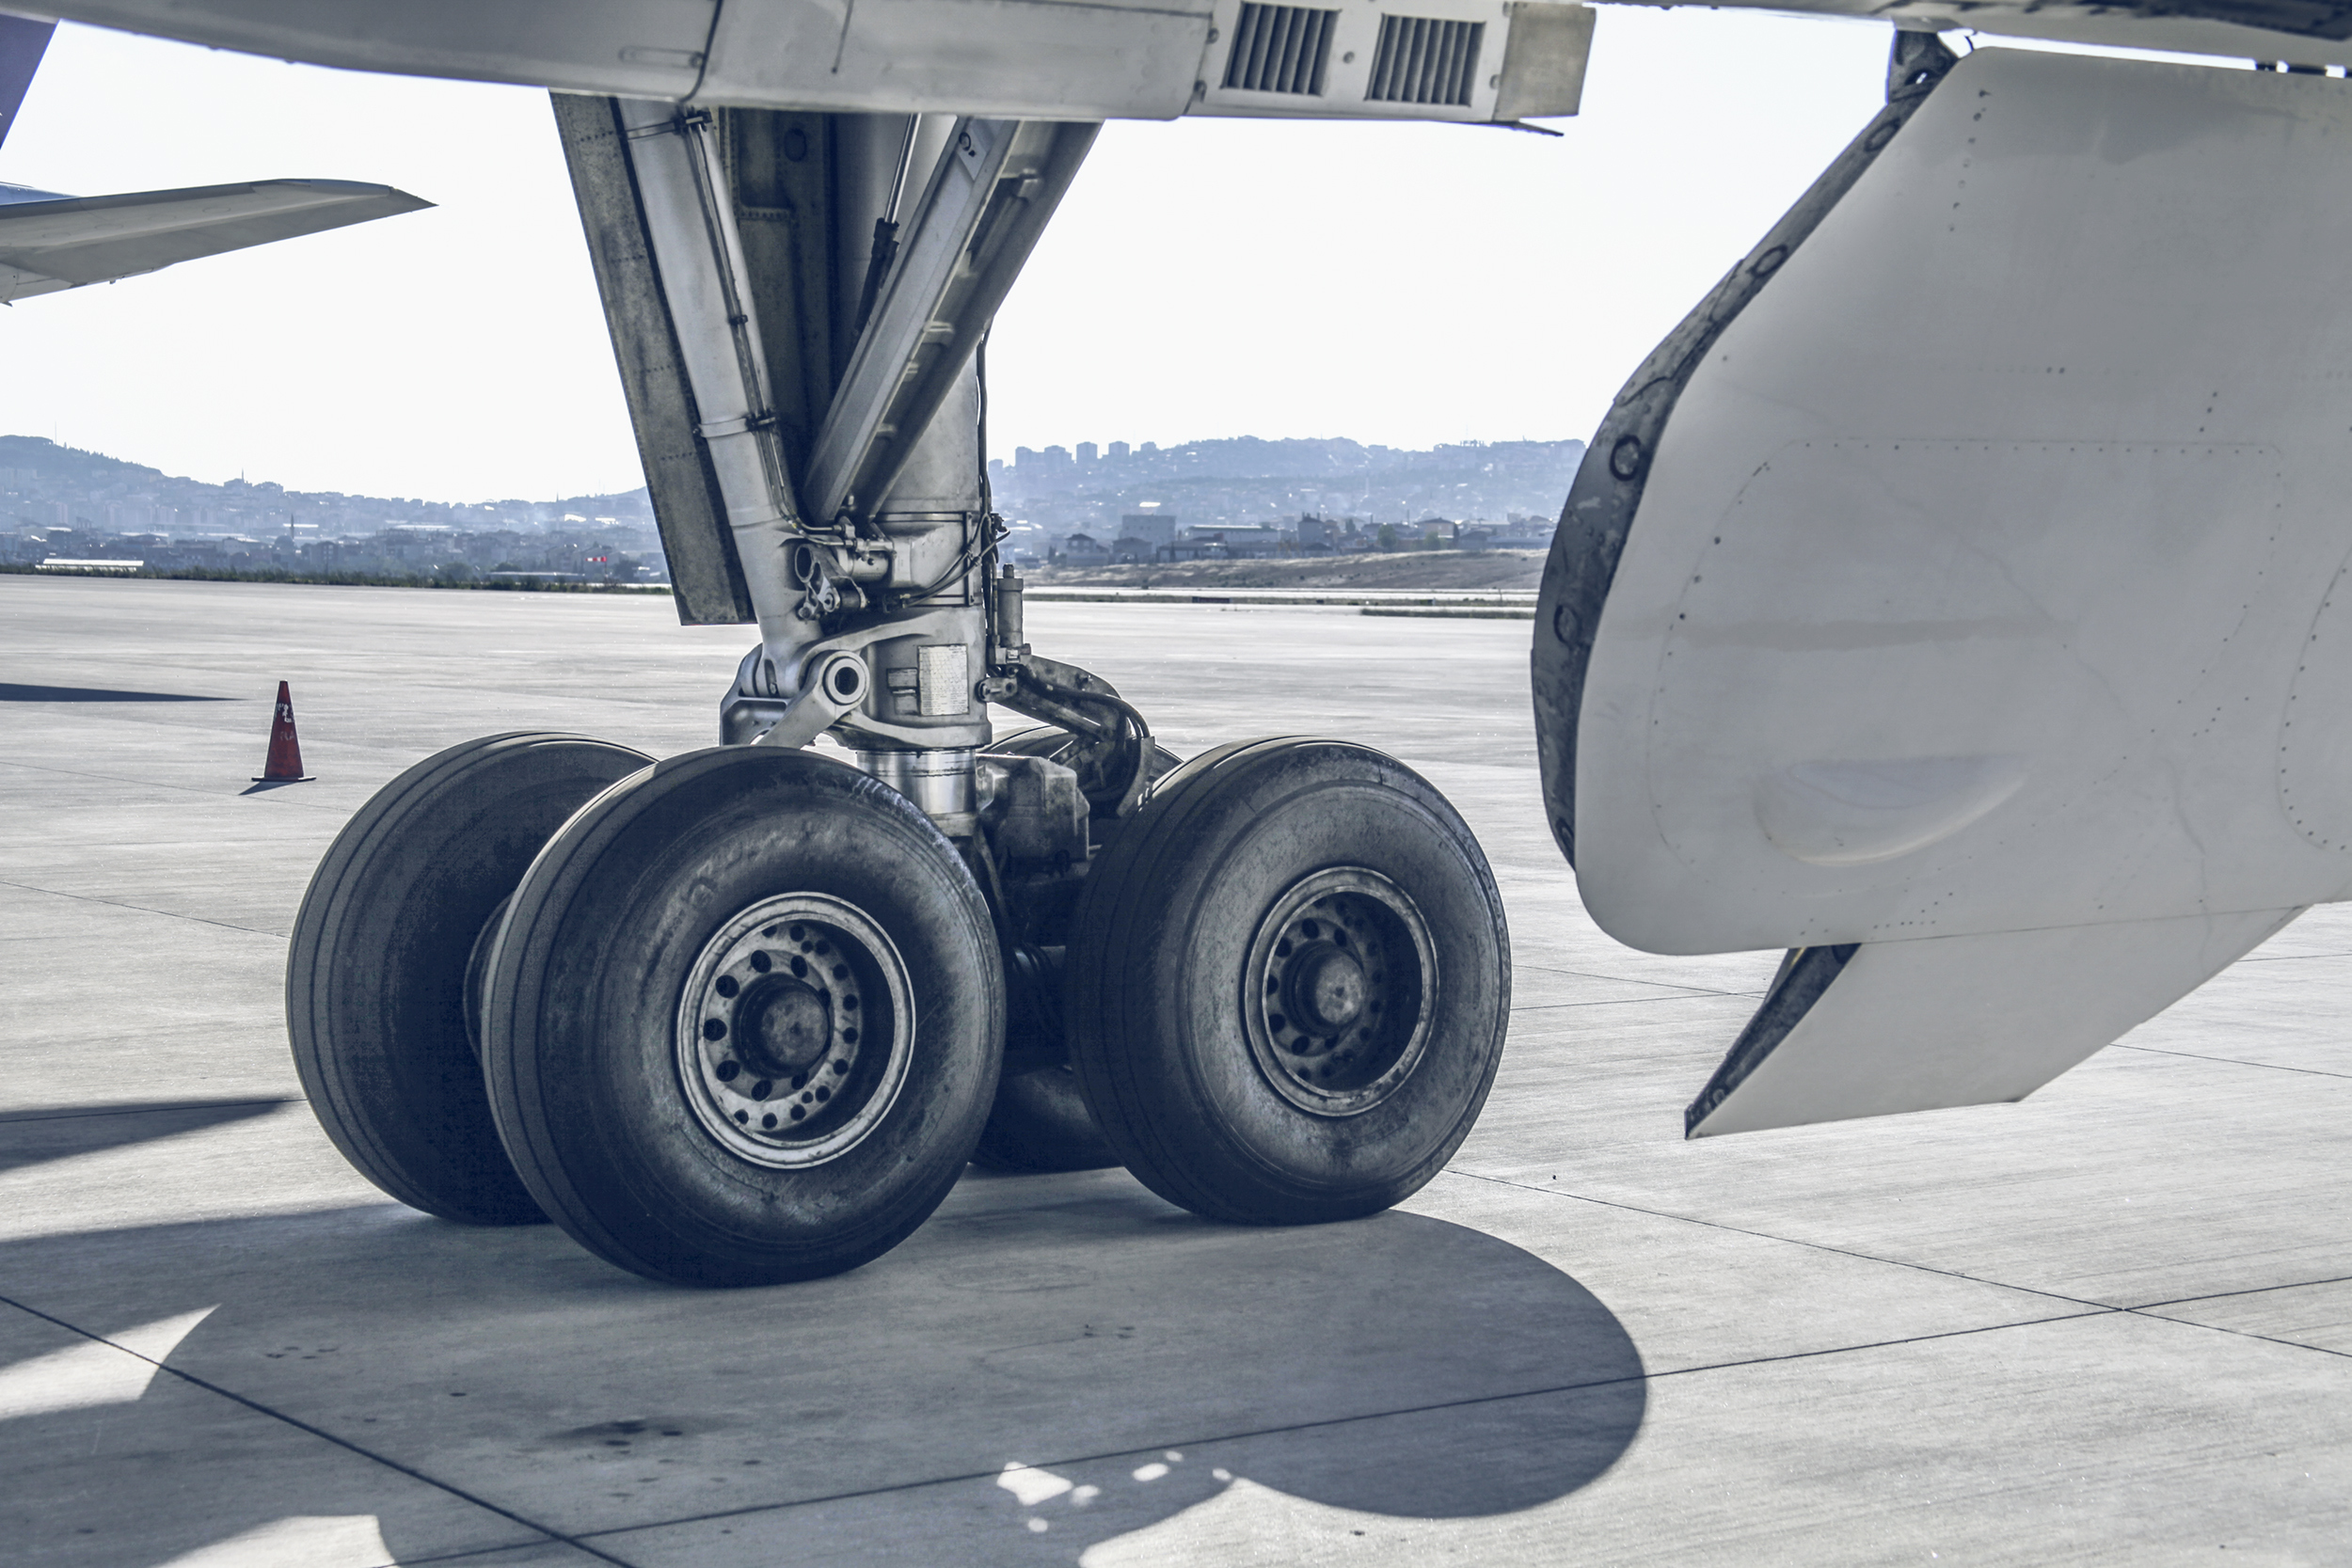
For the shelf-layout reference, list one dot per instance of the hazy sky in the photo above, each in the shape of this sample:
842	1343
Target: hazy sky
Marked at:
1405	284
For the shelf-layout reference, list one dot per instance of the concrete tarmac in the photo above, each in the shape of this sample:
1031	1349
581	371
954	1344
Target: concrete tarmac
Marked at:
2107	1325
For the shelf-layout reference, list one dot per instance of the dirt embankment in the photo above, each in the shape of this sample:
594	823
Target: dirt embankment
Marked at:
1453	569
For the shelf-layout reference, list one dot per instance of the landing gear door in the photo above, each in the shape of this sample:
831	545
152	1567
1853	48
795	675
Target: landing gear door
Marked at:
705	575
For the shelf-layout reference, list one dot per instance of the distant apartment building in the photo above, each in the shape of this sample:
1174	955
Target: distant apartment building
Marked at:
1155	529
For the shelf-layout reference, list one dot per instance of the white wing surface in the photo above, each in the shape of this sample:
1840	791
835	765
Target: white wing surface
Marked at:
48	243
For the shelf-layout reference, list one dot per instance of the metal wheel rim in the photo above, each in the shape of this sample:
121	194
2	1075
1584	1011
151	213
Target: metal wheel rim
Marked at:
750	1011
1311	934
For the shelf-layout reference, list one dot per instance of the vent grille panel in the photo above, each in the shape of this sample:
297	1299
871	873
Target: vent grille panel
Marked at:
1279	49
1422	60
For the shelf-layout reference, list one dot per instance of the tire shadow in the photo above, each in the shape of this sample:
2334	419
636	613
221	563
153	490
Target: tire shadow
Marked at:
1051	1363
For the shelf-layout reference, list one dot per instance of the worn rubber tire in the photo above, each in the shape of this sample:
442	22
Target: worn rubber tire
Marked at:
1155	983
376	972
581	1018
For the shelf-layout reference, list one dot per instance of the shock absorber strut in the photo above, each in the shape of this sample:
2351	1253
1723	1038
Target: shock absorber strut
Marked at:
872	578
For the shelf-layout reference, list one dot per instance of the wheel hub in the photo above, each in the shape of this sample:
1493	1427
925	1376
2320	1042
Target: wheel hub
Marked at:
1338	990
794	1030
1325	989
783	1026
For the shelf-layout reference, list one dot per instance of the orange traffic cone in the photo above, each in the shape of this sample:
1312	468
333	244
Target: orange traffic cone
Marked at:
285	753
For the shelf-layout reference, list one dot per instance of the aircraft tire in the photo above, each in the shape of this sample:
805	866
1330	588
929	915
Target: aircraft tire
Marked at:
744	1020
377	1003
1288	984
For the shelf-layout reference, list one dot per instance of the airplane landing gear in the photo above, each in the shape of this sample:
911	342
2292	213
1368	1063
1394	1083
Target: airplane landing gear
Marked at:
744	1015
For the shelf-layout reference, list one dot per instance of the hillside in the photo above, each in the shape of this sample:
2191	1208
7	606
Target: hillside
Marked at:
1463	570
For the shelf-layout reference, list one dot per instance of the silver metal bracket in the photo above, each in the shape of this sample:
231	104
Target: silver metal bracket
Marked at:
825	683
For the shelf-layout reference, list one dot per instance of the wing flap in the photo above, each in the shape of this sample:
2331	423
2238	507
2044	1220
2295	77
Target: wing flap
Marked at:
1887	1027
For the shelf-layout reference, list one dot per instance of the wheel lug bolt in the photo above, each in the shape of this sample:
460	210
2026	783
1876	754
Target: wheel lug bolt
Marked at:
729	1072
762	1089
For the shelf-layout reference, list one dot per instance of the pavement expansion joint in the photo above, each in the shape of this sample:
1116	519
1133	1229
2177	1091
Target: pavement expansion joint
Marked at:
298	1424
142	909
2235	1333
2233	1061
1632	1000
2231	1295
2154	1311
1634	980
2097	1306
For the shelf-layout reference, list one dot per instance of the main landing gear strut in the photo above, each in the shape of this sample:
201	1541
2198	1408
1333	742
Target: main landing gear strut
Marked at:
743	1016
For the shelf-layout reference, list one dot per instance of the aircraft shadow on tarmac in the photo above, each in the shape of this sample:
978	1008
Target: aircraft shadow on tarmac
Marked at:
11	692
1131	1360
28	1137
